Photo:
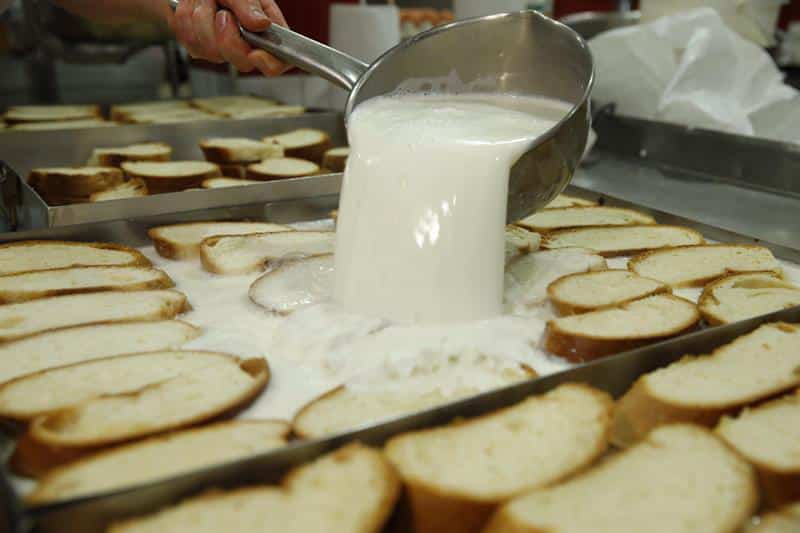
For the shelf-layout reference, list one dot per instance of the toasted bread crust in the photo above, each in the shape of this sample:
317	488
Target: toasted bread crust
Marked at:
137	258
551	236
57	185
35	460
565	307
645	219
232	170
707	297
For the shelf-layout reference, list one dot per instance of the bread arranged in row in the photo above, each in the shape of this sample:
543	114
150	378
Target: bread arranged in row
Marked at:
160	457
241	254
572	217
587	291
351	490
78	344
133	188
741	296
292	285
171	176
27	318
305	143
701	389
224	105
603	332
281	168
336	158
50	113
182	241
115	156
30	256
62	125
225	181
125	112
696	265
64	185
519	241
45	283
768	436
275	111
208	391
611	241
456	475
226	150
566	200
680	479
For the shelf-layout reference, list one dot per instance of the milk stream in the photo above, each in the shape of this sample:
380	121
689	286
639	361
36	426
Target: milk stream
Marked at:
423	203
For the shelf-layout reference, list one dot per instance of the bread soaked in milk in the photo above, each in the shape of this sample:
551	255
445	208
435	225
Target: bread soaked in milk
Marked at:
423	203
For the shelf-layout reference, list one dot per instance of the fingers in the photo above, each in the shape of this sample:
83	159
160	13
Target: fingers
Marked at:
231	46
203	21
274	12
267	64
184	30
249	13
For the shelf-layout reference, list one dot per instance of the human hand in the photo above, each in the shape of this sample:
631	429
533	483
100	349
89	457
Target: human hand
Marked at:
210	32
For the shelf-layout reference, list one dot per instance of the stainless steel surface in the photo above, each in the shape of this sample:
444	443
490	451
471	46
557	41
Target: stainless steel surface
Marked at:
25	150
614	374
591	23
521	53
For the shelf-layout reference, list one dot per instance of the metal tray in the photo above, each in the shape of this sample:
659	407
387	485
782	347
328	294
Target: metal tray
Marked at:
23	151
614	374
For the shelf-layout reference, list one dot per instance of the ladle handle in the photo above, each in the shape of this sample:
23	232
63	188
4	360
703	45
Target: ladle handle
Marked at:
304	53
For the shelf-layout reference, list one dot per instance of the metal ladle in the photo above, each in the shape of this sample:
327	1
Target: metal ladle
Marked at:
522	53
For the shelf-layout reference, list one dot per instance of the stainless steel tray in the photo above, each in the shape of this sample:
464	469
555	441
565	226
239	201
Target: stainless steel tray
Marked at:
23	151
614	374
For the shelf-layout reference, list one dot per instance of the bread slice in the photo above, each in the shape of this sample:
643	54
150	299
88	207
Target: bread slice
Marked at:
187	399
45	283
527	276
281	167
34	460
520	241
351	490
238	150
616	329
565	200
28	318
168	116
292	285
701	389
63	125
134	188
696	265
114	157
784	520
225	182
74	181
241	254
55	389
171	176
273	111
29	256
768	436
229	170
182	241
611	241
50	113
335	159
218	104
123	112
304	143
84	343
743	296
160	457
587	291
456	475
573	217
680	479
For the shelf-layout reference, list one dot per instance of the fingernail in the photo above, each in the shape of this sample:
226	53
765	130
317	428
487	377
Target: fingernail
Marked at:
221	20
258	14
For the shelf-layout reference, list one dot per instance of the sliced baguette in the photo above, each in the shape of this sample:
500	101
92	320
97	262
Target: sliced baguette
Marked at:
122	112
573	217
182	241
681	479
134	188
55	389
241	254
84	343
351	490
701	389
456	475
167	116
768	436
114	157
272	111
76	182
612	330
45	283
224	182
565	200
222	388
784	520
292	285
218	104
304	143
229	170
696	265
171	176
336	158
611	241
50	113
160	457
280	168
30	256
519	241
238	150
27	318
587	291
63	125
743	296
